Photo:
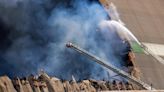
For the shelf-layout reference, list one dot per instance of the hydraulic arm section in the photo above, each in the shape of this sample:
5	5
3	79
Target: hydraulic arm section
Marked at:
109	66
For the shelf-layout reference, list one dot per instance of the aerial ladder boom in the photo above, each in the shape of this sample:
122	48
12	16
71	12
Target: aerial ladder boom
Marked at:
109	66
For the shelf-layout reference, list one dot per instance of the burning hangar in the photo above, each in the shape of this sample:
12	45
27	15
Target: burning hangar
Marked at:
145	19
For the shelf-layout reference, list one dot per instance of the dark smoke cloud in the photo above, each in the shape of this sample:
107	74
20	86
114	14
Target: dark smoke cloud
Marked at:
33	34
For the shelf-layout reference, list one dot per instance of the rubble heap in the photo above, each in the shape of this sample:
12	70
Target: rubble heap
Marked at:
44	83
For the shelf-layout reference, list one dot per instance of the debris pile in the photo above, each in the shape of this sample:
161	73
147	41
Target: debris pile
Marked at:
44	83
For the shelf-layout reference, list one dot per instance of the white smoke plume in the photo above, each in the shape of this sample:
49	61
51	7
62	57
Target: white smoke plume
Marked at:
36	32
113	13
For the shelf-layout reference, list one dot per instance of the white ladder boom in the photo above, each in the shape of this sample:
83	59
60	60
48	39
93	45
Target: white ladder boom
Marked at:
109	66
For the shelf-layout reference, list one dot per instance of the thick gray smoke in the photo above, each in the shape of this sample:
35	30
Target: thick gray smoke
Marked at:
37	31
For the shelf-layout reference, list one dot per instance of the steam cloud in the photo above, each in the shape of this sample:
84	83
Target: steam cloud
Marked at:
34	33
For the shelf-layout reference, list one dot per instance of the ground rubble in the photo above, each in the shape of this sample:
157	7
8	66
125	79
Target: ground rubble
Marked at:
44	83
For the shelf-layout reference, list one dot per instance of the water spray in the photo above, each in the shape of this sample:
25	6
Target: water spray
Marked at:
112	12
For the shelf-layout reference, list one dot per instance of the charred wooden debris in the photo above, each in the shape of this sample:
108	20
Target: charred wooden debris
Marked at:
44	83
